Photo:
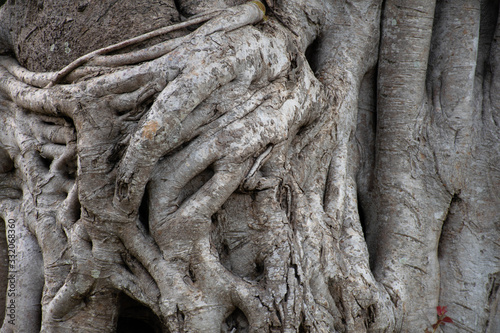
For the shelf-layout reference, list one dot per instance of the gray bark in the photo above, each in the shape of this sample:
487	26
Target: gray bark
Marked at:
233	166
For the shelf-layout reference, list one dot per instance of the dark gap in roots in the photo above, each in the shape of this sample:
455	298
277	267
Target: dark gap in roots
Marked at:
144	211
188	8
216	238
215	222
127	268
69	121
236	322
178	7
259	270
4	269
7	170
220	242
371	314
225	255
296	271
195	184
366	130
192	276
303	327
285	196
311	55
225	249
335	289
253	195
293	63
135	317
488	23
66	165
362	217
179	148
327	192
180	316
6	163
456	198
46	161
74	211
117	152
302	130
444	237
78	212
493	287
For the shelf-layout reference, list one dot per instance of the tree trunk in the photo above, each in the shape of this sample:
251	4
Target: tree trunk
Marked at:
233	166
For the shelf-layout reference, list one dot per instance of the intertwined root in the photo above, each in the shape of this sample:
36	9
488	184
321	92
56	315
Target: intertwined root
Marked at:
174	130
178	105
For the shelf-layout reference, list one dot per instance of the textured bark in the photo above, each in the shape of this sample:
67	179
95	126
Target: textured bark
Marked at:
198	166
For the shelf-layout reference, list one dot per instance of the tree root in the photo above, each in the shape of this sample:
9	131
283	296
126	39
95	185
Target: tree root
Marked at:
229	140
150	142
231	19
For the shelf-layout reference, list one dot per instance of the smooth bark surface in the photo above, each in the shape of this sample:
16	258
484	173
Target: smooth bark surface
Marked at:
233	166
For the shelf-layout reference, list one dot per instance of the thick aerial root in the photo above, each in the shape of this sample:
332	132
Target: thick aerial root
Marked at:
53	133
224	156
244	295
24	75
148	144
46	102
215	292
121	91
167	228
180	98
80	279
25	280
142	55
164	274
69	212
233	144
